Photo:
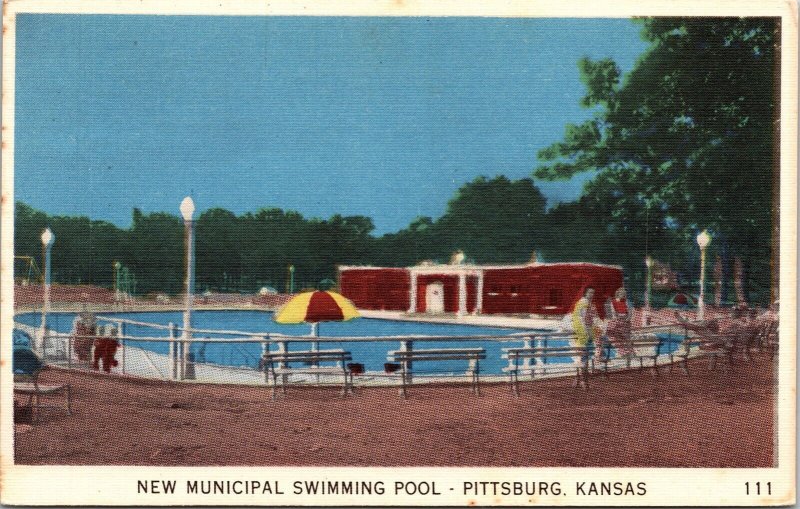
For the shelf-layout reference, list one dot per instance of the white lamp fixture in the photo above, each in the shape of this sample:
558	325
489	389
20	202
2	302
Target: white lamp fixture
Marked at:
703	239
47	237
187	208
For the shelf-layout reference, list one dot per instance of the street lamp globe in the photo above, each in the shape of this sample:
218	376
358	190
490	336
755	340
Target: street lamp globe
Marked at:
187	208
704	239
648	261
47	237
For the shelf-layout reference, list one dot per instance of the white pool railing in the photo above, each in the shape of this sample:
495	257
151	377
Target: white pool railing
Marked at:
177	364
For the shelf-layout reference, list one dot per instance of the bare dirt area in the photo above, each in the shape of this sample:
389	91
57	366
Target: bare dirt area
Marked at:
631	419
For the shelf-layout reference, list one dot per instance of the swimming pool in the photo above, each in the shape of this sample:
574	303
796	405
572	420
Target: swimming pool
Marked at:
371	354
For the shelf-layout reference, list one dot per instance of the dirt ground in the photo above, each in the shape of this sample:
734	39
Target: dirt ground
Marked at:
632	419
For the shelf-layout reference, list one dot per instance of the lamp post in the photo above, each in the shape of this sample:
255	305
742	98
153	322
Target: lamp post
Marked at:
291	279
703	240
47	243
648	262
117	289
187	210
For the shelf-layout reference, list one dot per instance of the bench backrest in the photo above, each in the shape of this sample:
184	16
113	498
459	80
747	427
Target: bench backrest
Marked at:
26	365
544	353
308	356
437	354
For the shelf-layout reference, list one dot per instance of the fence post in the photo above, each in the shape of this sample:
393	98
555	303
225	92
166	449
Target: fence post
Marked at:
261	364
283	347
544	359
407	346
121	334
526	361
171	351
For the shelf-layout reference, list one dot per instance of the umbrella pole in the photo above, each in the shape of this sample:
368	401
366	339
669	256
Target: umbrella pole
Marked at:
315	344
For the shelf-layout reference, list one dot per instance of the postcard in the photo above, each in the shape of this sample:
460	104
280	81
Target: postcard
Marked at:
398	253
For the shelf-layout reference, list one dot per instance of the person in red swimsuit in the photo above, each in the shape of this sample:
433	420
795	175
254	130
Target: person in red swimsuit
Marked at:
619	323
105	349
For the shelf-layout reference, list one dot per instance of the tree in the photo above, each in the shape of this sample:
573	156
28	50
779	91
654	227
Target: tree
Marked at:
683	138
491	220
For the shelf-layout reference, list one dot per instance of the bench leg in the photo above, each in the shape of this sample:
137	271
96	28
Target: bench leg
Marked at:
35	409
403	382
477	383
347	389
655	367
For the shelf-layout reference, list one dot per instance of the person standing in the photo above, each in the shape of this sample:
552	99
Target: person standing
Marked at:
83	335
618	329
584	315
105	349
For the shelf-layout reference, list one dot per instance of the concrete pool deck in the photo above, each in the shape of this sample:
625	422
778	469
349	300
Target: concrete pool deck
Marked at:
511	322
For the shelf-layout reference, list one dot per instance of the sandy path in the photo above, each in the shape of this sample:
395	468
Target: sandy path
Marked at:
710	419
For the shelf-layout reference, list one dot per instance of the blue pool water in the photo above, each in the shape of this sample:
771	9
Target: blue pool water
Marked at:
371	354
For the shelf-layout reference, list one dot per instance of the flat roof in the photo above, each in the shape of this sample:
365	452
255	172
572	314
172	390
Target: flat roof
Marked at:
444	267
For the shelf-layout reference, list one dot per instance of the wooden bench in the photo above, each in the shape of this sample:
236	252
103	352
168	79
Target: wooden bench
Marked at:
277	364
540	355
406	358
646	347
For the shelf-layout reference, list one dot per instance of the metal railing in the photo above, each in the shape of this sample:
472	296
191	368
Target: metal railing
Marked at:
172	357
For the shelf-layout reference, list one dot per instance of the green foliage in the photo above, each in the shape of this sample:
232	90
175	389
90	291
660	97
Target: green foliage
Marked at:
491	220
685	142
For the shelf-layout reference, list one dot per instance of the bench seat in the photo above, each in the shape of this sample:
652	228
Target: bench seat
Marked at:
278	364
406	358
537	354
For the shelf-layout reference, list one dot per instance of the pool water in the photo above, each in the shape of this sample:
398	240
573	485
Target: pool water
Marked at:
371	354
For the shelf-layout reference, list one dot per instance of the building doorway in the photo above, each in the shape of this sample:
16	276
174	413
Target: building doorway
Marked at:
434	298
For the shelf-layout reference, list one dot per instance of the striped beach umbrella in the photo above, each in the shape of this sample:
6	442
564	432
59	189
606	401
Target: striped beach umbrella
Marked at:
315	307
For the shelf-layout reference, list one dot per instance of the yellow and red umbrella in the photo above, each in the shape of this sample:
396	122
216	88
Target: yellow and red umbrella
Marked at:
315	307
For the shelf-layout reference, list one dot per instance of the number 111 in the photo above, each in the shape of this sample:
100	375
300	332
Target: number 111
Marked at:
757	490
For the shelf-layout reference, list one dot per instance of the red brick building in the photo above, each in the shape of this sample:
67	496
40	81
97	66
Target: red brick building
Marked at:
535	288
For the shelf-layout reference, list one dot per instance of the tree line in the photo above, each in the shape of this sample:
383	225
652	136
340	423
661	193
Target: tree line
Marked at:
685	142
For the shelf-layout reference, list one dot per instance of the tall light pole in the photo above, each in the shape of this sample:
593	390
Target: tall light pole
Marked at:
648	262
703	240
187	210
47	243
291	279
117	289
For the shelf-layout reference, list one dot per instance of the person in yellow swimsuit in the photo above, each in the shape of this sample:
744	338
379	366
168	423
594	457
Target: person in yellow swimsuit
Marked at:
584	315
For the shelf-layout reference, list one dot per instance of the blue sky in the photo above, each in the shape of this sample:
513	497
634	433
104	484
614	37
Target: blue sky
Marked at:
384	117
